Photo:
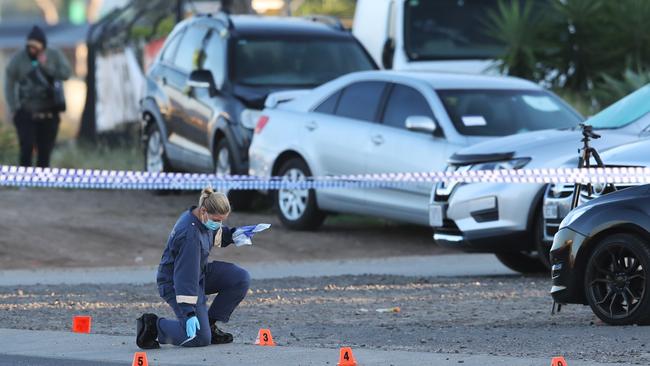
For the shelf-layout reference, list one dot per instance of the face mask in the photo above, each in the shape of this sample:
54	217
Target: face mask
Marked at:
212	225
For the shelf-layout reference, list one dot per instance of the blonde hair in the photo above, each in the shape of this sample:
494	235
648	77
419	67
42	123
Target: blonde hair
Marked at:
216	203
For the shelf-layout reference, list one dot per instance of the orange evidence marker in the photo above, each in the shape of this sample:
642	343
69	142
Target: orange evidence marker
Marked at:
140	359
346	358
264	338
81	324
558	361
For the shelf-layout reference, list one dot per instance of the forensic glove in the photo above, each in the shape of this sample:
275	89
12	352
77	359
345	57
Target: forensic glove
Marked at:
243	235
191	326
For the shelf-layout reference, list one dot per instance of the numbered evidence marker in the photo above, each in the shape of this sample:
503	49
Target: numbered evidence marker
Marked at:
558	361
81	324
346	358
264	338
140	359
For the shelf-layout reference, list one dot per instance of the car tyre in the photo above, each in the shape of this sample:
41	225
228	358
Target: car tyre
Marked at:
297	209
543	247
223	165
155	156
522	262
617	282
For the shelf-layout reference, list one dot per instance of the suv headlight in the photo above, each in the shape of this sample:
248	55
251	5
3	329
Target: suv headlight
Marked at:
249	118
506	164
573	216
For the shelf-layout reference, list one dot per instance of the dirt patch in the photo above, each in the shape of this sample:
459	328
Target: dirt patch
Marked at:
82	228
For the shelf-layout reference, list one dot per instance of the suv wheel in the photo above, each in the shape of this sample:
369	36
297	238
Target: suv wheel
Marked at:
616	284
223	165
155	158
522	262
297	208
543	247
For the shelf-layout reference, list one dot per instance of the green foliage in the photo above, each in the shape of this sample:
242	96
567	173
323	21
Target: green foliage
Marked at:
578	45
612	88
77	155
518	28
339	8
8	145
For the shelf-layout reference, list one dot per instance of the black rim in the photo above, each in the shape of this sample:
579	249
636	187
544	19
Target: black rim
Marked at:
617	283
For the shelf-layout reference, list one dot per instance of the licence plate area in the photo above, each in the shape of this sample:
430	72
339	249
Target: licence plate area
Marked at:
550	211
435	215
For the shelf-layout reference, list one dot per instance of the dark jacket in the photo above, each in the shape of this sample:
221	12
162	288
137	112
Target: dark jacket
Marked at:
28	83
181	273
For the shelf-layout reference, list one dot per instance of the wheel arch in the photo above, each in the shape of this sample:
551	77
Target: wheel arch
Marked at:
283	158
585	252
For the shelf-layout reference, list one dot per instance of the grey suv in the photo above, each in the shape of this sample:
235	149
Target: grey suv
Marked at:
205	90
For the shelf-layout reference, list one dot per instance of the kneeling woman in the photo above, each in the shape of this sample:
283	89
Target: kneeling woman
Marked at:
185	279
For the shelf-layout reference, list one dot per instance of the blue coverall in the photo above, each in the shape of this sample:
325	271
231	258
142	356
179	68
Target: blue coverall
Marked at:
185	279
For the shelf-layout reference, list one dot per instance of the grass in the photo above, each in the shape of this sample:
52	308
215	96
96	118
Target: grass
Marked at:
125	154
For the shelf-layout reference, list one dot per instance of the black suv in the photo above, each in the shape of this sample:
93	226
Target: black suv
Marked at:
205	91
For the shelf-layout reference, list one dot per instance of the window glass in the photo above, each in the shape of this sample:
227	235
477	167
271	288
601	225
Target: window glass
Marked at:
402	103
454	29
296	62
329	105
215	57
189	50
506	112
361	100
627	110
172	45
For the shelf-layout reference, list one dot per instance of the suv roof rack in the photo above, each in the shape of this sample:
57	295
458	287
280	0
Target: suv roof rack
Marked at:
329	20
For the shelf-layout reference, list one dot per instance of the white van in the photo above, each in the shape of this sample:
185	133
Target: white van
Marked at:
428	35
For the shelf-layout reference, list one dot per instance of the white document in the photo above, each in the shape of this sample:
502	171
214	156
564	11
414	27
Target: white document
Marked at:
474	121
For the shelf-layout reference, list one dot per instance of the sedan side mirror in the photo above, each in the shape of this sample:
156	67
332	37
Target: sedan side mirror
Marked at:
421	124
202	79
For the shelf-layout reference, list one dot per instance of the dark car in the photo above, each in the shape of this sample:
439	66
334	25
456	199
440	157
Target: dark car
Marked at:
601	257
205	90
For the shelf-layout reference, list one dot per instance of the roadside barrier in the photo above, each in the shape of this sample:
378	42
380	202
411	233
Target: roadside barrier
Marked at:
14	176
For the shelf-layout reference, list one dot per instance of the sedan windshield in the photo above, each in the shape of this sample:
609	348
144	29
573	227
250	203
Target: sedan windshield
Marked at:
506	112
627	110
296	62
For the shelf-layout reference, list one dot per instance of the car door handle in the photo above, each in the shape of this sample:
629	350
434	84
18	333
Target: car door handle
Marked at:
311	125
378	139
164	80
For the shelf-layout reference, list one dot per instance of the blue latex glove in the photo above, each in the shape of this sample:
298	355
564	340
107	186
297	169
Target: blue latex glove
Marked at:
191	326
243	234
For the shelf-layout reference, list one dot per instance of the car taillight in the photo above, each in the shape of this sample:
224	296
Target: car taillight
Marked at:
261	123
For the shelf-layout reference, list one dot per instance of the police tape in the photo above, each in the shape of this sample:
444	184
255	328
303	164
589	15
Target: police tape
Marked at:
14	176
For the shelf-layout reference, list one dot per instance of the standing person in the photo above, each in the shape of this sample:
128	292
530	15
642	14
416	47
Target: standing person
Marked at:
185	279
30	94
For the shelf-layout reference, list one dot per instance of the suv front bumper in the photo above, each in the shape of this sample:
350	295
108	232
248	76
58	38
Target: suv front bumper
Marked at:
485	217
567	283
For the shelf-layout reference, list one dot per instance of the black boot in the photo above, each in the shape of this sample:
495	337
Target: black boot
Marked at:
219	336
147	332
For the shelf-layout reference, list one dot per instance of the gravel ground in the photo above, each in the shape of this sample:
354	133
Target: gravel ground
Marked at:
506	316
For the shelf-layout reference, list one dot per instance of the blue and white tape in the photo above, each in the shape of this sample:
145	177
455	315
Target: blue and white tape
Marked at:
13	176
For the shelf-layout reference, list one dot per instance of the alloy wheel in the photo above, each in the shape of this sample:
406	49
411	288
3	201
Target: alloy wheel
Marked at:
155	153
293	202
618	282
